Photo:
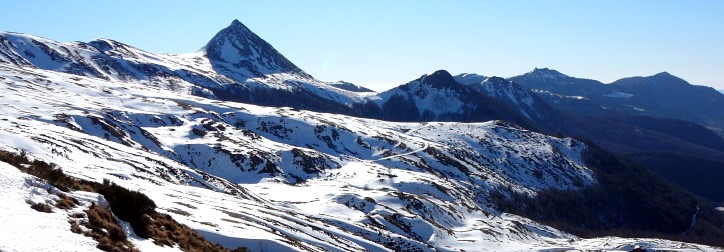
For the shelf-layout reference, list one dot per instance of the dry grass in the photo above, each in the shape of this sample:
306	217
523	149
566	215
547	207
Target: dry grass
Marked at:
42	207
131	206
167	232
66	202
74	227
104	229
178	211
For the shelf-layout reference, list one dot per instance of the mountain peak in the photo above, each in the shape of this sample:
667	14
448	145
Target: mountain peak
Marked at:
663	74
237	26
496	79
237	49
667	77
439	78
546	73
662	79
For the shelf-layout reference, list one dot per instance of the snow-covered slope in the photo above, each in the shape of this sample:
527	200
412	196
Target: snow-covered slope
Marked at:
541	115
350	87
438	96
436	93
469	78
235	64
284	179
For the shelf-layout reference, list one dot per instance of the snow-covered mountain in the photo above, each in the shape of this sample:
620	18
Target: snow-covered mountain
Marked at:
350	87
281	178
661	95
439	97
237	50
234	65
411	183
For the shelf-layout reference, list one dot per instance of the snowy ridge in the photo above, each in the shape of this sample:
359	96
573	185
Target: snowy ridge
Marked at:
284	179
350	87
469	78
435	93
235	57
544	73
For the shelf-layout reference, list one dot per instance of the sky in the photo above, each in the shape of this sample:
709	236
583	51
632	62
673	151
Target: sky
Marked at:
382	44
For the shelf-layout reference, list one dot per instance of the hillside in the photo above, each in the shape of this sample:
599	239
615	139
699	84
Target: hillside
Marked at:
247	150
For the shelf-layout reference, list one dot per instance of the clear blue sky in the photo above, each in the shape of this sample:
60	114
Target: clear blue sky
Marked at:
381	44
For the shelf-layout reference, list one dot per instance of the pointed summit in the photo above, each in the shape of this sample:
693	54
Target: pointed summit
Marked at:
439	79
238	50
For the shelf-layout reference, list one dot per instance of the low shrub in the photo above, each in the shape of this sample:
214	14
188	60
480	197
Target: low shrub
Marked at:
128	205
104	229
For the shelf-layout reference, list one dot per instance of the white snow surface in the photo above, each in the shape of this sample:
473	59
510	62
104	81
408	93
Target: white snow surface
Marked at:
437	101
469	78
273	179
617	94
192	72
24	229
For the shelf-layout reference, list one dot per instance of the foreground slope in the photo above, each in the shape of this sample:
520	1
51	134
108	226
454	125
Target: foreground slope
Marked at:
369	186
284	179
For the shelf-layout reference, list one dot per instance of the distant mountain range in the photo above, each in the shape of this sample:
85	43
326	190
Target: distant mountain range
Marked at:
314	166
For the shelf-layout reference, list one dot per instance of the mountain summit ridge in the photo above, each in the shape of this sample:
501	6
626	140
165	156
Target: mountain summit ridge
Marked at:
243	50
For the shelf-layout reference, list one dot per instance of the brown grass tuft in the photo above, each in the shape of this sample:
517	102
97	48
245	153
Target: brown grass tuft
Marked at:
104	229
42	207
74	227
66	202
166	231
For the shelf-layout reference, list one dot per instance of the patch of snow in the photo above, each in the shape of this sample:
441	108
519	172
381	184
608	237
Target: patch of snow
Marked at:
24	229
617	94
